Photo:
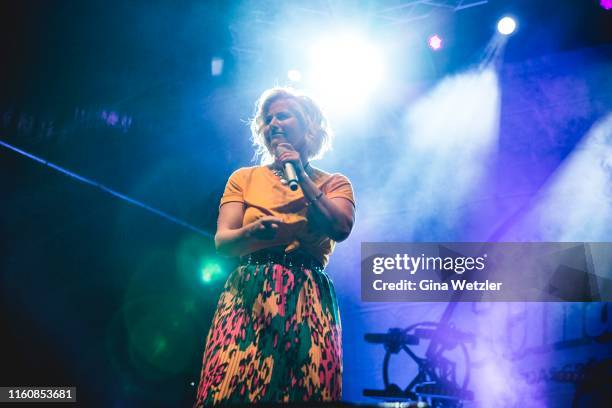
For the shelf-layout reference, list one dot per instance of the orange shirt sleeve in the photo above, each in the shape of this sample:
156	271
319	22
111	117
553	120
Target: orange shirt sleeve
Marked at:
234	189
339	186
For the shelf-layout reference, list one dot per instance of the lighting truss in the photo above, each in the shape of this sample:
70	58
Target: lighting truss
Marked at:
257	20
403	12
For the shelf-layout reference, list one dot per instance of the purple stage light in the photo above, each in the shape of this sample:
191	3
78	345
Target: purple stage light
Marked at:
111	118
607	4
435	42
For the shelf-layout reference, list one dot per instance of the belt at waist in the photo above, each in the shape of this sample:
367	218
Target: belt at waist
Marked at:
292	259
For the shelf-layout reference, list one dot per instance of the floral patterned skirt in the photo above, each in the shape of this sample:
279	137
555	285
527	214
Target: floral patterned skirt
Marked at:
275	337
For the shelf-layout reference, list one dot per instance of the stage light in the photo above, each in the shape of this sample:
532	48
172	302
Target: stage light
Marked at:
216	66
435	42
294	75
345	69
606	4
211	272
506	25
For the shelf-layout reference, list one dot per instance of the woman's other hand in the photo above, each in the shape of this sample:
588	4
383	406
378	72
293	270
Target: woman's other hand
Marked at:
233	239
265	228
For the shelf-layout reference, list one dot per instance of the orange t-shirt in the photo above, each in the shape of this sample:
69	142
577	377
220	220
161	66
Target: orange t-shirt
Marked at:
262	193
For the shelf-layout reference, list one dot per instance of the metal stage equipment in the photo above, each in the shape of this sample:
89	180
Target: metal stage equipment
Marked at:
437	381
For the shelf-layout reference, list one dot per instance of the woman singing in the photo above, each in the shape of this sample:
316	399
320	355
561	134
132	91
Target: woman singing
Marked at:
276	334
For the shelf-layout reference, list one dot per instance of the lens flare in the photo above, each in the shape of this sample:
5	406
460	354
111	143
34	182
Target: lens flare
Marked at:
211	272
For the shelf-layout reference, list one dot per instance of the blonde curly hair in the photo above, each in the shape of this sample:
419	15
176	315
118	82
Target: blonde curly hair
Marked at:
318	132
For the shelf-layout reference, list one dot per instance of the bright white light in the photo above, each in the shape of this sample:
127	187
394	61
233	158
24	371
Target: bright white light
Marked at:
506	25
346	68
294	75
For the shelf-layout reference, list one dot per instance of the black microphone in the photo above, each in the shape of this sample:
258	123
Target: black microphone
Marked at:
291	175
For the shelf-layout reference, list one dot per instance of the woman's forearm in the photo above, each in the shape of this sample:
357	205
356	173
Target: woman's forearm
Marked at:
239	240
232	242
